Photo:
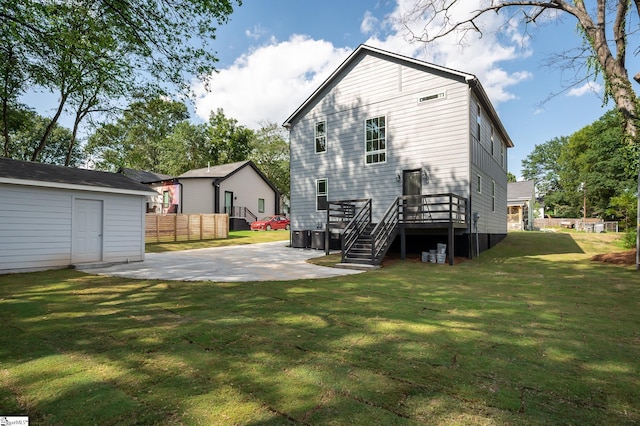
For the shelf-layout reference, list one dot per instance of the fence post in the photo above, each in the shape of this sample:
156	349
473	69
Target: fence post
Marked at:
175	227
157	228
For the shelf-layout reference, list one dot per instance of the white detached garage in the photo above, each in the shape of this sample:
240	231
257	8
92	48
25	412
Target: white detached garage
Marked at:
54	216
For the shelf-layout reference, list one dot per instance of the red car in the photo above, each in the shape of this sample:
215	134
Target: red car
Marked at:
271	222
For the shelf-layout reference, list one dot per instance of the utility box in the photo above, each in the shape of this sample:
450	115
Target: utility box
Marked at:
317	240
300	239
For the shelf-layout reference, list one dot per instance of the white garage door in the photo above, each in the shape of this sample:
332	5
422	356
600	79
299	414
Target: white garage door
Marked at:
87	231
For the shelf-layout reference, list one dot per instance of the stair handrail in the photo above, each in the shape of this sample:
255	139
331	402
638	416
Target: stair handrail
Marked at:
249	213
354	228
385	231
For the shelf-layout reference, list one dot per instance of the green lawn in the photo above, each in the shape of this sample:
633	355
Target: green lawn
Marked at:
235	238
531	332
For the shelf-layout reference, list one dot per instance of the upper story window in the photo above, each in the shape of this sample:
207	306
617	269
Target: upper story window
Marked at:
492	140
479	123
502	157
375	140
320	136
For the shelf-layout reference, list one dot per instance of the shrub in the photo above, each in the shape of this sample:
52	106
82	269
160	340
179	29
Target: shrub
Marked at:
629	239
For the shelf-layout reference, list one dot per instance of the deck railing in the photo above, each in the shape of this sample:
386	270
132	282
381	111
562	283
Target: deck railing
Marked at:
241	212
433	208
359	222
384	232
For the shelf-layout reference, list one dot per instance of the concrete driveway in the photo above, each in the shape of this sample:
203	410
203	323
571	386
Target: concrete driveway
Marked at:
254	262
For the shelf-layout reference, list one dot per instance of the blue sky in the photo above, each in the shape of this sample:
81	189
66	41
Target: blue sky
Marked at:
274	53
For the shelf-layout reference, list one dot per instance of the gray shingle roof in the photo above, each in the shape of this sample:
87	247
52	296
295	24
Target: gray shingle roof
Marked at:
50	174
220	171
144	176
524	190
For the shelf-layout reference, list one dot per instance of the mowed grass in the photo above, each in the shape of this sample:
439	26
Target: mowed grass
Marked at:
531	332
235	238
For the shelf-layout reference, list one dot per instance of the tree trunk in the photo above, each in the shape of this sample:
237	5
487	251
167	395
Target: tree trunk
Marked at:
49	129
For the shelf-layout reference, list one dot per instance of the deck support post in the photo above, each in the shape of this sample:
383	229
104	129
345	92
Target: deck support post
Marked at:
451	247
403	243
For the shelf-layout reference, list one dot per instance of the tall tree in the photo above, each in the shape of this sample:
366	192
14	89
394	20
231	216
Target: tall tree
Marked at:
542	166
26	128
140	138
230	142
604	49
271	155
597	163
68	48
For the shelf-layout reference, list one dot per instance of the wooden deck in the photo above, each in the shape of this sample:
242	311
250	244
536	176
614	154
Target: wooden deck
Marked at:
364	241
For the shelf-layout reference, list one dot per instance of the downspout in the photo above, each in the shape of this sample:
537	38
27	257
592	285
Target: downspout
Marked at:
181	192
216	195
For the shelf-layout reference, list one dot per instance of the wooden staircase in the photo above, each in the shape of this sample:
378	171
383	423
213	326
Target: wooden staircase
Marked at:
360	251
366	243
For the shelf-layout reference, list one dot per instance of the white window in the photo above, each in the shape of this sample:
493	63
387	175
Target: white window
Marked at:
478	124
320	136
492	141
493	195
375	130
322	192
502	157
479	184
260	205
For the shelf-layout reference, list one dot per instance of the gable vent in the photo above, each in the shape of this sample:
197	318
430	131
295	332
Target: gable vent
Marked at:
431	97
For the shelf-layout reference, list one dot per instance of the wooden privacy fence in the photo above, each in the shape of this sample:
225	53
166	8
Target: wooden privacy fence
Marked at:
185	227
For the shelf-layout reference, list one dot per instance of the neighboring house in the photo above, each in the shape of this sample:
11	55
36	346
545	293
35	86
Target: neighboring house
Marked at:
168	188
54	216
239	189
521	198
395	133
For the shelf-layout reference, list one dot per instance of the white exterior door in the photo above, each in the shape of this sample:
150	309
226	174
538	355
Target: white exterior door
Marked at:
87	231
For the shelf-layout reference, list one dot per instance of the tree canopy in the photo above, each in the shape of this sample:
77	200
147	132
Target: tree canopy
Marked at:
592	167
93	53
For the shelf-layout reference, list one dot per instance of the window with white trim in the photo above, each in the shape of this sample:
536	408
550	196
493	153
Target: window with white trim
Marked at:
320	136
375	140
492	140
493	195
479	184
322	191
502	157
478	124
260	205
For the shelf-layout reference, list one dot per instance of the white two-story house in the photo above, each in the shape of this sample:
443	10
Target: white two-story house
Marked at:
393	147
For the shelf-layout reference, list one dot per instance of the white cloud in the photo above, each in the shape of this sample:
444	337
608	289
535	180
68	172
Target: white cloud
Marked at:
469	52
271	81
369	23
257	32
589	87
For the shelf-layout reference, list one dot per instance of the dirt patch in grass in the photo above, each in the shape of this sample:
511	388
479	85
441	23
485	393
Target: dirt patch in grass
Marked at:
618	258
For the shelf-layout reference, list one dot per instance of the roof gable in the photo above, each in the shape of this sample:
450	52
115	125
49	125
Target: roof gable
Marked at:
217	172
469	79
523	190
39	174
224	171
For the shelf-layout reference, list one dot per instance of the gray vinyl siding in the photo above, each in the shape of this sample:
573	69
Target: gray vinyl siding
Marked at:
124	227
198	196
433	136
490	168
36	227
